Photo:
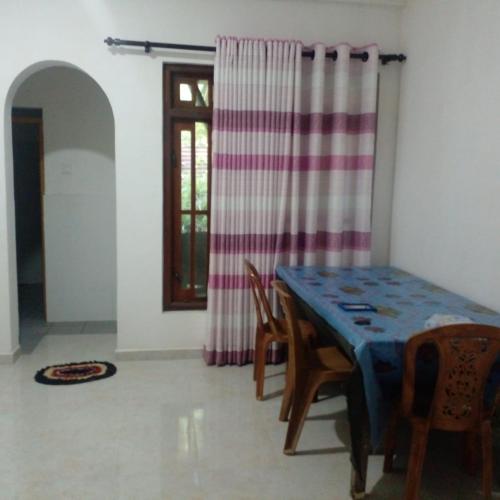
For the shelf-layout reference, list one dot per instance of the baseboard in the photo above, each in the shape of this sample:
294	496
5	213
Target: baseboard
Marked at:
10	358
157	354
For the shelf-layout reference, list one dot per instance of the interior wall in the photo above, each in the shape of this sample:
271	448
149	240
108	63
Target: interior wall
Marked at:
133	83
446	203
79	195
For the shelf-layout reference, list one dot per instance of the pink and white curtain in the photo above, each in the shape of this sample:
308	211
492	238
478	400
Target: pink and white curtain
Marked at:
293	154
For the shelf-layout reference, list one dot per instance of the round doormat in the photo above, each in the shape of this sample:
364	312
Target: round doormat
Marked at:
75	373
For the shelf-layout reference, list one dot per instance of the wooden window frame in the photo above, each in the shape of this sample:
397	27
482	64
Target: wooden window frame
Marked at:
176	111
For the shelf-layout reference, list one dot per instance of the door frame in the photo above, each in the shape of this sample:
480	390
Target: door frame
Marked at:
34	116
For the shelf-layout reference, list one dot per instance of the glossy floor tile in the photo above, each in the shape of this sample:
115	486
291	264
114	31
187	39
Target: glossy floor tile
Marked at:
181	430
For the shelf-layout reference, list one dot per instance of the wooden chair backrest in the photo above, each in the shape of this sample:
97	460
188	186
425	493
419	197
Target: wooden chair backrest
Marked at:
467	353
262	306
297	348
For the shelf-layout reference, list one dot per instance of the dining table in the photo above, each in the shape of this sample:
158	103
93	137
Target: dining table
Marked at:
370	312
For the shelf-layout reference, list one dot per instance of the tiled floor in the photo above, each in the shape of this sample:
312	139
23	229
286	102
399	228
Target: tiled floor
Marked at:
180	430
33	327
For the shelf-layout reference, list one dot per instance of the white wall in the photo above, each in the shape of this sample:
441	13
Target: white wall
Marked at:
79	197
133	83
446	207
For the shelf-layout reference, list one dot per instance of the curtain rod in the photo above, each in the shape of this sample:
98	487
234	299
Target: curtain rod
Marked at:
384	58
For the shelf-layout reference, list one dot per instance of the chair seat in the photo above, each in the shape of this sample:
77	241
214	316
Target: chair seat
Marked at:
330	358
306	329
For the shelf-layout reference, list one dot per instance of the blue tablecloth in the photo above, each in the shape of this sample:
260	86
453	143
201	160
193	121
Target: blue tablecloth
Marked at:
403	302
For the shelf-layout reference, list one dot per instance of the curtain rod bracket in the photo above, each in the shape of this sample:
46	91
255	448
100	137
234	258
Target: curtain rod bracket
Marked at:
387	58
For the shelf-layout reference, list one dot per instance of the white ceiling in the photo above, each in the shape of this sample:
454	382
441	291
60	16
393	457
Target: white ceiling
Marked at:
393	3
372	2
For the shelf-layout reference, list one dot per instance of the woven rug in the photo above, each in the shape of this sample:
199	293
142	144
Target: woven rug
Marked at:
75	373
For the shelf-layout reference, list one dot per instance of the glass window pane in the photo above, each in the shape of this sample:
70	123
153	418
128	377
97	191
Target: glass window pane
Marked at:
186	250
201	257
185	169
185	93
202	93
201	156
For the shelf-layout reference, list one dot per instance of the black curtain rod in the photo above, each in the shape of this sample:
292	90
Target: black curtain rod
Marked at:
384	58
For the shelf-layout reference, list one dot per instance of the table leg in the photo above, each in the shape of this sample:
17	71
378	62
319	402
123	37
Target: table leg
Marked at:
360	433
357	486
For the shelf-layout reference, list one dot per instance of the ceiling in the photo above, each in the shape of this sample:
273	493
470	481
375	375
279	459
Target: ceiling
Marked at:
393	3
372	2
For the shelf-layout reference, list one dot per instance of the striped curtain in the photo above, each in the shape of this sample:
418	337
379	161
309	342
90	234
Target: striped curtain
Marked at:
293	153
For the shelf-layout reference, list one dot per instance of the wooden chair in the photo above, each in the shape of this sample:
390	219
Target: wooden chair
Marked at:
269	329
466	355
309	368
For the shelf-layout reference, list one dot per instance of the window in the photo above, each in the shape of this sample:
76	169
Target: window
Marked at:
187	112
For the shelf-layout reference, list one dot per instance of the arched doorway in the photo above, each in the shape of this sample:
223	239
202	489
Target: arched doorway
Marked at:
65	209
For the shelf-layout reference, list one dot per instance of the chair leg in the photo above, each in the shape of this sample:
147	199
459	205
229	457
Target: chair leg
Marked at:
390	441
470	453
418	447
260	356
301	402
486	445
255	357
286	402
